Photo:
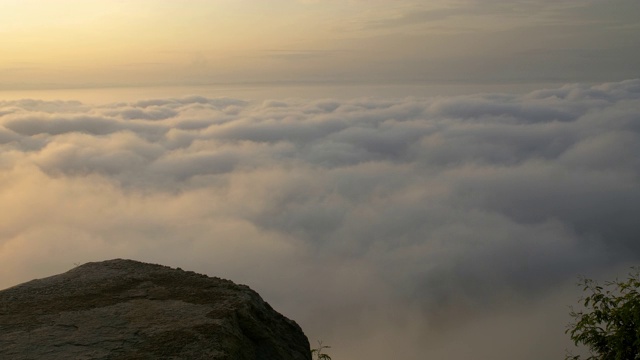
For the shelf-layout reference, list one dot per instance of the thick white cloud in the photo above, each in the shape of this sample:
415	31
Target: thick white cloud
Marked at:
423	222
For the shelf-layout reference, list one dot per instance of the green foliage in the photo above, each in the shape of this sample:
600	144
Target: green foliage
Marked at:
609	324
318	354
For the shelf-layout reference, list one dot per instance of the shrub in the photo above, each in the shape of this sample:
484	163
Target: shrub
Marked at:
609	324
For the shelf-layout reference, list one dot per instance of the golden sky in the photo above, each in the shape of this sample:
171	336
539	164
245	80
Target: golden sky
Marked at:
394	226
148	42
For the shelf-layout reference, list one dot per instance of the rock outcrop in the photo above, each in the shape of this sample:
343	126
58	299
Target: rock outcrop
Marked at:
123	309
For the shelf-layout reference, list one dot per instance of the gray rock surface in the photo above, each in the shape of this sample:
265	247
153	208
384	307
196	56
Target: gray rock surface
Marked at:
124	309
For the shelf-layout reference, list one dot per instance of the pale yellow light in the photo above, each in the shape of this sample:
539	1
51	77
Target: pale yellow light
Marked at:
102	36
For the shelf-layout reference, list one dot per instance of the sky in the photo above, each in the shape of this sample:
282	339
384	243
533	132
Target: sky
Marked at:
387	220
75	43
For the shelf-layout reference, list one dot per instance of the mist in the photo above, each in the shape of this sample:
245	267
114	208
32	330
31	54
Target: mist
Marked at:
443	227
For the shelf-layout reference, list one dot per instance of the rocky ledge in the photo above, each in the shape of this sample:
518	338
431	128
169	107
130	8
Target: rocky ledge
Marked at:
124	309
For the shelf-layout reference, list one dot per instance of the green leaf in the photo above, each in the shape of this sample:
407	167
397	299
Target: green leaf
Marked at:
609	325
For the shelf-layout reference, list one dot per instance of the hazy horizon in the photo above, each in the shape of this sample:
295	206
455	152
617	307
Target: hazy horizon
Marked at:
404	179
71	43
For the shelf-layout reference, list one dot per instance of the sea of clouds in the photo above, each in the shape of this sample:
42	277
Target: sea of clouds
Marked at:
450	227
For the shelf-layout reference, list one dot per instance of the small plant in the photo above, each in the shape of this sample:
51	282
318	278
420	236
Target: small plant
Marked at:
609	324
318	354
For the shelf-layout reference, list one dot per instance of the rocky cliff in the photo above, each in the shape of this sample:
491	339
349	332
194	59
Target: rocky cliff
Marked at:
123	309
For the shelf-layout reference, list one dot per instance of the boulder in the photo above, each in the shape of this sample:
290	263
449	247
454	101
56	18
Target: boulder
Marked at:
124	309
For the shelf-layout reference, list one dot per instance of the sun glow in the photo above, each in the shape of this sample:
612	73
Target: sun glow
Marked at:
70	43
118	41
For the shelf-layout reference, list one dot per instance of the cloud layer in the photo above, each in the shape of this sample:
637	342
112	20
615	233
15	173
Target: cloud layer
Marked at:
423	222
